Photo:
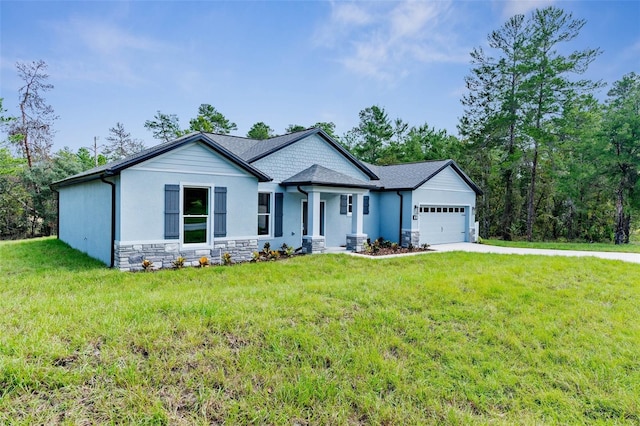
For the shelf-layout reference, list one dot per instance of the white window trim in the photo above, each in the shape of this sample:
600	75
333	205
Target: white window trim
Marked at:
270	214
349	204
209	242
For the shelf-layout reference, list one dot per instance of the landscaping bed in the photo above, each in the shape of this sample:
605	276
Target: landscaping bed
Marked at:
382	247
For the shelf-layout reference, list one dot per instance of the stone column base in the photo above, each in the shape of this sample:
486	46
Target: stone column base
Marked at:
410	237
312	245
355	241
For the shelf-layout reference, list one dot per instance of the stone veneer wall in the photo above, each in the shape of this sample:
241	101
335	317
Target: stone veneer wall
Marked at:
130	257
312	245
356	242
409	236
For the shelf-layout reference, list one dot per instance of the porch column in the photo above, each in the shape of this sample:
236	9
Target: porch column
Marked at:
314	213
357	236
314	242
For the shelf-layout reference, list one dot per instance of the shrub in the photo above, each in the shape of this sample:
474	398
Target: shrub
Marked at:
274	254
147	265
179	262
256	256
204	261
226	259
266	248
290	251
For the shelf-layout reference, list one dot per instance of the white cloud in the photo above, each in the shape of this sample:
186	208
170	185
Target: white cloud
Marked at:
522	7
386	40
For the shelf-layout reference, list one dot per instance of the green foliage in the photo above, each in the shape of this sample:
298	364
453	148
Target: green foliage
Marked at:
449	338
164	127
226	259
621	128
210	120
260	131
530	129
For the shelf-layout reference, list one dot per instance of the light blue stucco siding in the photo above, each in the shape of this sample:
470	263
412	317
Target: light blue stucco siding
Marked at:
447	188
303	154
142	192
389	214
85	218
291	217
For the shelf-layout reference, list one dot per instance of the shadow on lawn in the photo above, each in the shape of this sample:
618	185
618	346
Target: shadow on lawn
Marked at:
41	254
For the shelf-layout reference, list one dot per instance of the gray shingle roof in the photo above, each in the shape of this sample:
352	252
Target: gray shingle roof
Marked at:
252	150
410	176
116	166
319	175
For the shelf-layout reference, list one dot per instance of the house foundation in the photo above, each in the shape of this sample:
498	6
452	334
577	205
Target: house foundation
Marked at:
129	257
312	245
410	237
355	242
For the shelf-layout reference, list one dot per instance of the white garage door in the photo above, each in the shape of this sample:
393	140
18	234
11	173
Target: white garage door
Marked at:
443	224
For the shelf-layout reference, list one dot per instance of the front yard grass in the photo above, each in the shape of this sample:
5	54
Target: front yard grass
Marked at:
633	247
447	338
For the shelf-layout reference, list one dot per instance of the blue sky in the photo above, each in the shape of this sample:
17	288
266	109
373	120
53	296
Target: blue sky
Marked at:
289	62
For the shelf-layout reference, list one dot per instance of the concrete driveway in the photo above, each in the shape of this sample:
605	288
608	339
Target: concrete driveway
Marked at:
482	248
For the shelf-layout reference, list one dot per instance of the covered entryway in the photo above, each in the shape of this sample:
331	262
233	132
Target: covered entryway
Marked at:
305	217
443	224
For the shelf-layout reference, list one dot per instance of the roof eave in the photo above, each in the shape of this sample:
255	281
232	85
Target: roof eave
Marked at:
332	184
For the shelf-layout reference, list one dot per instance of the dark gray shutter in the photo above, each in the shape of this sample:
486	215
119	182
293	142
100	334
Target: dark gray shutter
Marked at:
343	204
172	212
220	211
277	229
365	205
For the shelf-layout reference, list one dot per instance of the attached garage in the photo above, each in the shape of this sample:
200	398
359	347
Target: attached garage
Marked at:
442	224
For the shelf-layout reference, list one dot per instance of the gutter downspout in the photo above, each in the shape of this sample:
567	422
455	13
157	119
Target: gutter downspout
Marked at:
57	211
400	221
113	218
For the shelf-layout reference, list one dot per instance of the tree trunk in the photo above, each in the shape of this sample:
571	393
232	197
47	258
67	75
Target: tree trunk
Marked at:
531	210
508	213
619	236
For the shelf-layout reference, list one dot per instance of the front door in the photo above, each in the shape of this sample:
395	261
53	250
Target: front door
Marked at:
305	218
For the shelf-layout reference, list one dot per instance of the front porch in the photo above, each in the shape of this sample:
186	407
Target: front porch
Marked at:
318	223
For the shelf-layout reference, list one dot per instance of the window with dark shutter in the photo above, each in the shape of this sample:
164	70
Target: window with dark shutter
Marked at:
220	211
343	204
365	205
277	227
172	212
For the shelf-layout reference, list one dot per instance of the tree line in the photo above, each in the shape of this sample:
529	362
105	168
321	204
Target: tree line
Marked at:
553	161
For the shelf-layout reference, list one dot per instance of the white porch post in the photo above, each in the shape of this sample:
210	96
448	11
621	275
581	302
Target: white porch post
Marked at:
356	239
357	218
314	213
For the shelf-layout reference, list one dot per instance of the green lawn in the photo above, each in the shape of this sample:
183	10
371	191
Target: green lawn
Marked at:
446	338
633	247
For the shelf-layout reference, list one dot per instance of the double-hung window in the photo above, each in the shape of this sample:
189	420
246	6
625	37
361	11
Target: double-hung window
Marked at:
264	213
195	215
349	204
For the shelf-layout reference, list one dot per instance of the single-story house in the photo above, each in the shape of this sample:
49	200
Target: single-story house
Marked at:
206	194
